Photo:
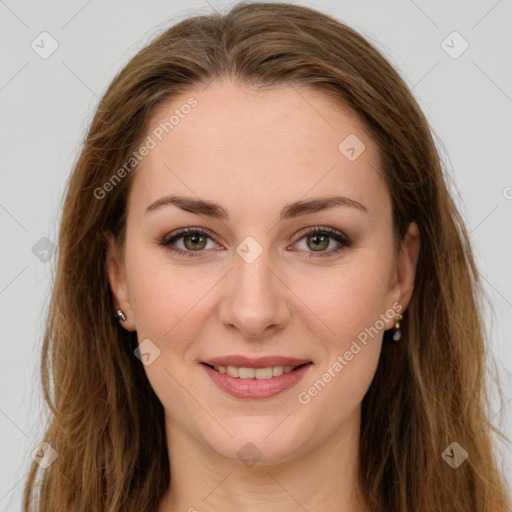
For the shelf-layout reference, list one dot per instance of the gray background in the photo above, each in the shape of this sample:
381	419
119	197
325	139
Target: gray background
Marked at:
47	103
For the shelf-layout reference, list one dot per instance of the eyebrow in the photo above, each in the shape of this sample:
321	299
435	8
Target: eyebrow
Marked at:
290	211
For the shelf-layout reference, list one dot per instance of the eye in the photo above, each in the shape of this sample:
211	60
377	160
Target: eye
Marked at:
192	240
195	240
319	238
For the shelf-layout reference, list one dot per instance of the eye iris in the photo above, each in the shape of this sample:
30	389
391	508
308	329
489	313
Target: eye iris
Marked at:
194	238
321	241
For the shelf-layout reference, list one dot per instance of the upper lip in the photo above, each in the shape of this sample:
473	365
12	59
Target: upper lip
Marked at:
255	362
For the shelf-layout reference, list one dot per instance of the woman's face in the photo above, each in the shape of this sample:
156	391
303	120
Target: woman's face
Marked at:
258	281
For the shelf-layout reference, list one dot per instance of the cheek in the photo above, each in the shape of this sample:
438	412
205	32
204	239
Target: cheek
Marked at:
351	306
342	301
163	294
347	299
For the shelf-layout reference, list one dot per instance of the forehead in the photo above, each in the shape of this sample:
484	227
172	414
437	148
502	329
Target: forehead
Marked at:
247	147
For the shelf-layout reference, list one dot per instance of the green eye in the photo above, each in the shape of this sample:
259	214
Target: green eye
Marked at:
194	242
319	242
318	239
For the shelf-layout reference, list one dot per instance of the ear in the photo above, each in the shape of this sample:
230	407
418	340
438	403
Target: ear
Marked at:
402	284
118	284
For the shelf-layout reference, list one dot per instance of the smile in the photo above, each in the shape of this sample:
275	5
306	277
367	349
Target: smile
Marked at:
253	383
255	373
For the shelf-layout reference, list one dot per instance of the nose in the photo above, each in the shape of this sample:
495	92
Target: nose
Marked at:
254	299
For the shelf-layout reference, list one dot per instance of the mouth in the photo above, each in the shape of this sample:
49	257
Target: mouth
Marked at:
248	382
266	373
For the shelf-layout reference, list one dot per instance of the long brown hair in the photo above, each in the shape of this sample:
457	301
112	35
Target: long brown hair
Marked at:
429	390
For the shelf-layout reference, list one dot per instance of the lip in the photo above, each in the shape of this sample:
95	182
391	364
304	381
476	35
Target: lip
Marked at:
257	388
255	362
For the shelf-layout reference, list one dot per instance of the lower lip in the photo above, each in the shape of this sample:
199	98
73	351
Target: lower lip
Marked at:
256	388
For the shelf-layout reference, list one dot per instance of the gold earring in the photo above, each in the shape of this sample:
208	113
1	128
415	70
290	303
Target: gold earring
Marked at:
120	315
397	334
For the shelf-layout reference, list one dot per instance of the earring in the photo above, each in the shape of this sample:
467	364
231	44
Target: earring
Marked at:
120	315
397	334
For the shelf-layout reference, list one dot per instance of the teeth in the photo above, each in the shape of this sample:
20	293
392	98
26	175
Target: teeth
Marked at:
232	371
255	373
263	373
246	373
277	370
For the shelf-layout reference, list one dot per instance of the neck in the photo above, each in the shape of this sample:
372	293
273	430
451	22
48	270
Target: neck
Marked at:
321	478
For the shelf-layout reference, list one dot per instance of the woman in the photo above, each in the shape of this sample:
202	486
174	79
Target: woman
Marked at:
265	296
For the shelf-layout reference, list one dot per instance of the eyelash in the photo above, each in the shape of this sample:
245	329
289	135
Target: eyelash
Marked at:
343	241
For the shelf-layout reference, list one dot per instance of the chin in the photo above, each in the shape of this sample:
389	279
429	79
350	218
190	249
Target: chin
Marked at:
265	442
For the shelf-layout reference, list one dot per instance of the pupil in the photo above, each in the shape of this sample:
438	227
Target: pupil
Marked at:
322	241
194	240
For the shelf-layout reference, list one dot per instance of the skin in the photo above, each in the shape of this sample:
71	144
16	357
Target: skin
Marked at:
254	154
